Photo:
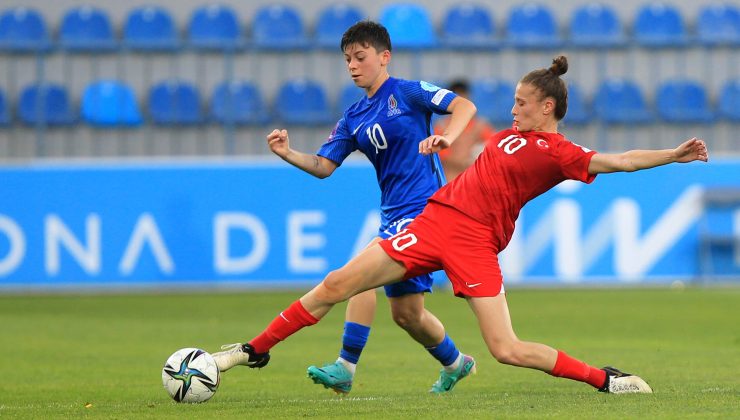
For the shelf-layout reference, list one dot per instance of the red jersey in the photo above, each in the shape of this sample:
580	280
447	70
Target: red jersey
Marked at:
514	168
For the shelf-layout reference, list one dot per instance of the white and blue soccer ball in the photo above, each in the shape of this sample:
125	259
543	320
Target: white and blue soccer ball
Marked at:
190	375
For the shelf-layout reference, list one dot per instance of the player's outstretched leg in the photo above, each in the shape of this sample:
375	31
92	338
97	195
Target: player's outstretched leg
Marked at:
618	382
449	376
239	354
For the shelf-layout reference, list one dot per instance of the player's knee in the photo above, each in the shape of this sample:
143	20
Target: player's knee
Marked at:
405	318
334	288
505	353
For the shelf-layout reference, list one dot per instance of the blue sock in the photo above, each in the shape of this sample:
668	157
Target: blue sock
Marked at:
353	341
446	351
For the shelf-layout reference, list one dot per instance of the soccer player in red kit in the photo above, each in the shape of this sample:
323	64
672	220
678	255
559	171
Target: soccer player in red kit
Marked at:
468	222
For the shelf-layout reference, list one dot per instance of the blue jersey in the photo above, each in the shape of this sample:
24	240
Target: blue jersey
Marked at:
387	128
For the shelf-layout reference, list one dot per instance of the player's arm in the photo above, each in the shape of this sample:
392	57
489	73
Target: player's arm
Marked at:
318	166
635	160
461	112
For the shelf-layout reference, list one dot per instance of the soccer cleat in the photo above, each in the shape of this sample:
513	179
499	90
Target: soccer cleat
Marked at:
239	354
448	380
333	376
618	382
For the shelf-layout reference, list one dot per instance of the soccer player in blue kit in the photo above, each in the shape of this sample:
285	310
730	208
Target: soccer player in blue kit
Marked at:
387	126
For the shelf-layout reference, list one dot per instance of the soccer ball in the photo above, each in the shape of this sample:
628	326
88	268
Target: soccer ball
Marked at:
190	375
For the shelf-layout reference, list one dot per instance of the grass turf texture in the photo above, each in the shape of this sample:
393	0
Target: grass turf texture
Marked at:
100	356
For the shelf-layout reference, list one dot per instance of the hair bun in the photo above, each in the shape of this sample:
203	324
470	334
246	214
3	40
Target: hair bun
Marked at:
559	65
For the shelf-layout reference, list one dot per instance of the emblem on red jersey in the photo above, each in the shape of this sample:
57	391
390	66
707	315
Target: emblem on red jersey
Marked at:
542	144
393	106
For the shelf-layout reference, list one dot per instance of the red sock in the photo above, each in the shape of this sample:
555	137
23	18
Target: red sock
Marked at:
283	326
568	367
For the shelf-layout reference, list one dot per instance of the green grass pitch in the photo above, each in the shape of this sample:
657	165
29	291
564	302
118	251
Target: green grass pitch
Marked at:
100	356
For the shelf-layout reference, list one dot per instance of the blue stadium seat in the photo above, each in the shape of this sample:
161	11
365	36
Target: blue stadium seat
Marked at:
214	27
659	25
579	113
174	102
468	26
333	20
278	27
409	25
238	103
4	111
683	101
349	94
719	25
494	99
621	101
596	25
46	104
729	100
87	29
302	102
150	28
23	30
110	103
532	26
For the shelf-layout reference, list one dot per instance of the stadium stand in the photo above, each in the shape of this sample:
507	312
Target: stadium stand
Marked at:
174	102
4	112
150	29
409	25
278	27
331	23
215	27
46	104
619	101
719	25
729	101
683	101
239	103
468	26
110	103
532	26
659	25
443	41
579	112
302	102
87	29
596	25
23	29
494	99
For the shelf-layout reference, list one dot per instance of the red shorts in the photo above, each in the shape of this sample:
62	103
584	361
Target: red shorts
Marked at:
443	238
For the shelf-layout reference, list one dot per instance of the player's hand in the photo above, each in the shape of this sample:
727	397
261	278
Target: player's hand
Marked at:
433	144
279	142
691	150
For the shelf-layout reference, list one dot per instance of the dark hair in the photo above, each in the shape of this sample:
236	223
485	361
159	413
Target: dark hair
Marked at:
367	33
459	86
549	83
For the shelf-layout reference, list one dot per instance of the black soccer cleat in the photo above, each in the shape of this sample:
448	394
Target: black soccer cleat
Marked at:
239	354
618	382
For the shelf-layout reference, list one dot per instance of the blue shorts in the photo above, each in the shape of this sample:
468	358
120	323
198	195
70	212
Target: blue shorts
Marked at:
421	284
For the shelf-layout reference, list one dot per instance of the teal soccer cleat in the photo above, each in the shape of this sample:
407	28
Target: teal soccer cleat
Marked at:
333	376
448	380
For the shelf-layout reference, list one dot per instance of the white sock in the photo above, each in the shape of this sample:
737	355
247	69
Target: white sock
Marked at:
348	365
456	364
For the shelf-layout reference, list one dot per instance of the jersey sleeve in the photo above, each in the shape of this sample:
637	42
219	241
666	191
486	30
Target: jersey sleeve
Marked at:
426	96
574	161
339	144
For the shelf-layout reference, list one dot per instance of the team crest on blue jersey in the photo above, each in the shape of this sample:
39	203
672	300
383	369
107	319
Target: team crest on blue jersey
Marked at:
393	106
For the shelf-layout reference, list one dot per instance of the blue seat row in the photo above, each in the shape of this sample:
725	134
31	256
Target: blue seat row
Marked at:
282	27
304	102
